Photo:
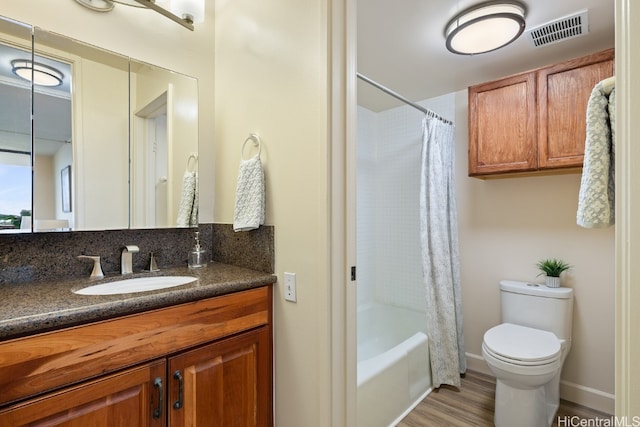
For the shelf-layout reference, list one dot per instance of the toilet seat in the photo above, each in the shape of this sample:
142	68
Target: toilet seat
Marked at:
521	345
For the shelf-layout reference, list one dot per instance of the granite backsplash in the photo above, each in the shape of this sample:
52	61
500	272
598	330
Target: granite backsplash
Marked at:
29	257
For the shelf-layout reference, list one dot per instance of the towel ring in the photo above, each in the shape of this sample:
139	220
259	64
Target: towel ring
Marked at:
256	141
191	166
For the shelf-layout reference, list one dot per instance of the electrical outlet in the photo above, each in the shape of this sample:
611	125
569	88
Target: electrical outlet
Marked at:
290	287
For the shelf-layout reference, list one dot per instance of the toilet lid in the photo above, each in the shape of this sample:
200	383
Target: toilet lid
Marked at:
521	343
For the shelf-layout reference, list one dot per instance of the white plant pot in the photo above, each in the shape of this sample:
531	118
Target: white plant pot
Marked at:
552	282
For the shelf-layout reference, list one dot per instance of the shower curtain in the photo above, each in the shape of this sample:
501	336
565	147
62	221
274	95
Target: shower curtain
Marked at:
440	260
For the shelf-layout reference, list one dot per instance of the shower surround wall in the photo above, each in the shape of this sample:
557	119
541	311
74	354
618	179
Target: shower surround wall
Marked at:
392	340
388	222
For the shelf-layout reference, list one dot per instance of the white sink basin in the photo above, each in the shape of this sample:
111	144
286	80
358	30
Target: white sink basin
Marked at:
139	284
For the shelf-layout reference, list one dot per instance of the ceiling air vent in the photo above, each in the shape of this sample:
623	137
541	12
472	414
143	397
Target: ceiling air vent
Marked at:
560	29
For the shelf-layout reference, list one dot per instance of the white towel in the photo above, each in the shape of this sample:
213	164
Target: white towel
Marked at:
188	209
596	201
250	196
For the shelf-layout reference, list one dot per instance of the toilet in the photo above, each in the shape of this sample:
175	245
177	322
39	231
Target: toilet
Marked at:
526	352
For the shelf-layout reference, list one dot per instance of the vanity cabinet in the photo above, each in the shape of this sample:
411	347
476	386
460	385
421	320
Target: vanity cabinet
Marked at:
218	385
204	363
535	121
127	398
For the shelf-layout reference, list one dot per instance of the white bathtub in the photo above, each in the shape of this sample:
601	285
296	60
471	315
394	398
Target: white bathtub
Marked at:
393	364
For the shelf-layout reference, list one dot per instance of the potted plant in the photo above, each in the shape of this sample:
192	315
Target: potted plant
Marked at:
552	268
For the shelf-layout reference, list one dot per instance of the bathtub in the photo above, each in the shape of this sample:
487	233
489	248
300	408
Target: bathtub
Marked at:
393	364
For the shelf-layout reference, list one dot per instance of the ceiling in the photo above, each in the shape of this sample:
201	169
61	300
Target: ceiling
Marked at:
401	46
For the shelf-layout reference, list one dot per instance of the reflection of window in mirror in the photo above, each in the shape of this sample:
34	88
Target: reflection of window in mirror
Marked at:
48	138
15	138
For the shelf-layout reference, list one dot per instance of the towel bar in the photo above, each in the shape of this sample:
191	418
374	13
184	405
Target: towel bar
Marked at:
256	141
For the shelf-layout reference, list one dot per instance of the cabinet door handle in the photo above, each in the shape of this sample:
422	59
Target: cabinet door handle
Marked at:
178	376
157	413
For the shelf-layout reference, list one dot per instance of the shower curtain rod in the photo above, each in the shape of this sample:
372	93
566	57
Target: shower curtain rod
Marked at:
402	98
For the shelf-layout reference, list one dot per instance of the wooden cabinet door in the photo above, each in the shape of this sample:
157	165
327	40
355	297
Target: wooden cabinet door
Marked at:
129	398
223	384
502	126
563	94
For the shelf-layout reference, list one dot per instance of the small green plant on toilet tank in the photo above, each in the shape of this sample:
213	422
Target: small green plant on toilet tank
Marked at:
552	268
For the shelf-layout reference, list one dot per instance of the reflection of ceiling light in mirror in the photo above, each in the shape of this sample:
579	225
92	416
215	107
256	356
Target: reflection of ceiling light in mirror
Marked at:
97	5
485	27
40	74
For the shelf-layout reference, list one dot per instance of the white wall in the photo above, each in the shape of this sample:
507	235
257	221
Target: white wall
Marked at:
367	165
388	221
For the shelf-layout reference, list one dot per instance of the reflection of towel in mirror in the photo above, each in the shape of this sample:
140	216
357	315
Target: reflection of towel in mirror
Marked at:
250	197
188	209
196	201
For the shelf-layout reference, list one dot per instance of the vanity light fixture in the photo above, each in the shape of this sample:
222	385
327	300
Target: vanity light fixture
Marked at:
184	12
485	27
39	74
97	5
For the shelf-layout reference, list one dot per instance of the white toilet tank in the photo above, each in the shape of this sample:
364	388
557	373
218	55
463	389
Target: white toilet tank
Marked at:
537	306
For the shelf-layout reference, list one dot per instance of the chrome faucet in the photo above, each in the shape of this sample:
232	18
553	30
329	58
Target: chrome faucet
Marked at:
126	264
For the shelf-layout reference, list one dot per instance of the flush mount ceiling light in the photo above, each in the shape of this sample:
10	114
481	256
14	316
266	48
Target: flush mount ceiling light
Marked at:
38	73
485	27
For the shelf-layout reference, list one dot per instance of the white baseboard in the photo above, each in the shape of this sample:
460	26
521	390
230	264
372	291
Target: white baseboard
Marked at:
587	396
576	393
476	363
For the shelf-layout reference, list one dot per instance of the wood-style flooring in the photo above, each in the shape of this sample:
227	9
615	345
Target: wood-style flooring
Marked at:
472	405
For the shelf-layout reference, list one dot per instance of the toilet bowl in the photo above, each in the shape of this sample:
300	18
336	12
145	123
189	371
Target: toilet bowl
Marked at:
526	363
527	350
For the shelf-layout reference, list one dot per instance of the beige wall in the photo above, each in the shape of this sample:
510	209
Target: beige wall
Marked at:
148	85
44	206
506	226
100	145
271	58
271	79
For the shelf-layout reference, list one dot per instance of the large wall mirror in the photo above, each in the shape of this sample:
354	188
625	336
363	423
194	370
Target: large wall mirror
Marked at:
113	143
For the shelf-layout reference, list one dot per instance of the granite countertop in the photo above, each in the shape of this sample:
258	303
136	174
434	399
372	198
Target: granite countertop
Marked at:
29	308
